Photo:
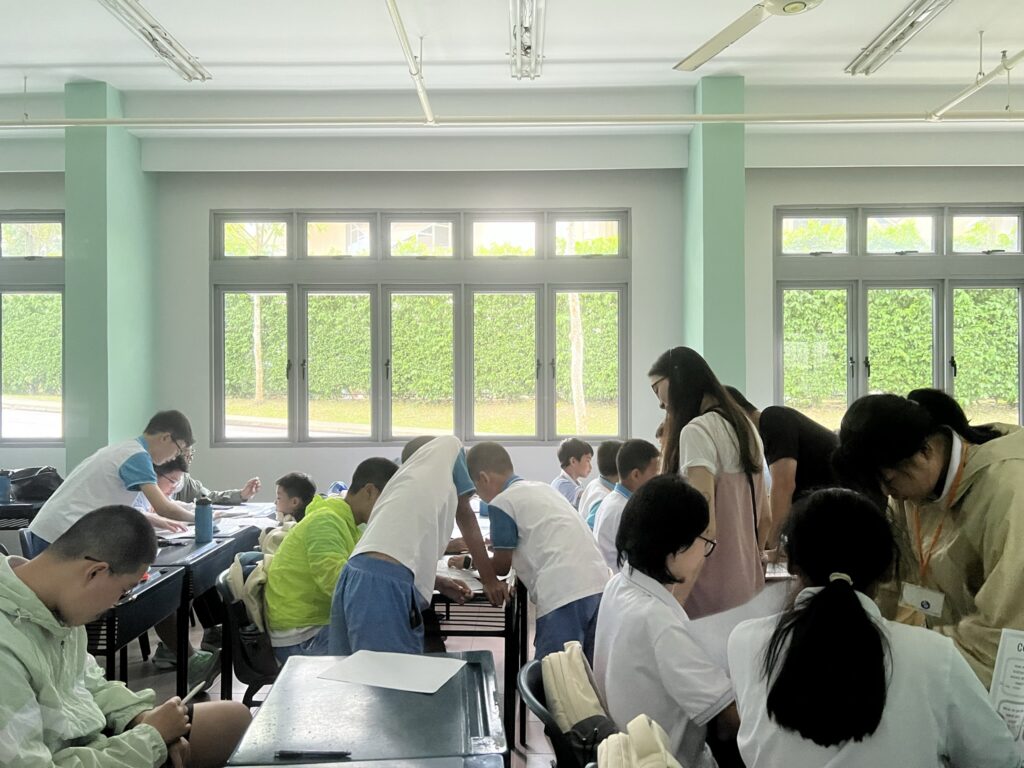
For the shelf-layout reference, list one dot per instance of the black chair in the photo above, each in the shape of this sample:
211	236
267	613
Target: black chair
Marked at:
531	689
252	656
3	550
28	548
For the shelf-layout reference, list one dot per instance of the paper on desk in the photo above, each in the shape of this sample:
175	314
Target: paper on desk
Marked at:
712	632
1007	692
471	578
398	671
188	533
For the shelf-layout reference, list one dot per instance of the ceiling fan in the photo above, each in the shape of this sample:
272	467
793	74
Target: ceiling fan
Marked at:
742	26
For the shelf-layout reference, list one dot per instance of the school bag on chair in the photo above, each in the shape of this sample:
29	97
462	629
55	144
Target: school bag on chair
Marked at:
573	701
642	746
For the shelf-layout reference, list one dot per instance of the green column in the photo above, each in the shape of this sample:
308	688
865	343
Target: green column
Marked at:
109	286
713	248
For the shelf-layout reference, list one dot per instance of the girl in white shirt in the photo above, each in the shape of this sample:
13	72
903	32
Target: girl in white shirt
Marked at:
830	683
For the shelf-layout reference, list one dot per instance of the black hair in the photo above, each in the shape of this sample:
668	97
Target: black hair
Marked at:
947	411
740	400
690	379
606	453
117	535
177	464
298	485
635	454
376	471
414	445
573	448
174	422
829	642
665	515
488	457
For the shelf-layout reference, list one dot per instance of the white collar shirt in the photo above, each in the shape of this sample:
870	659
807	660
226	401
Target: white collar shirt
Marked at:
606	524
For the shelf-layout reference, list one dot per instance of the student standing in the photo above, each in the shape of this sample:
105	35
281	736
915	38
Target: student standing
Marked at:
829	682
645	662
603	484
711	442
574	457
957	503
535	531
638	461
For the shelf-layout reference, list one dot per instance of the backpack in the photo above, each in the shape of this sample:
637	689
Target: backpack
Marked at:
573	701
642	746
34	483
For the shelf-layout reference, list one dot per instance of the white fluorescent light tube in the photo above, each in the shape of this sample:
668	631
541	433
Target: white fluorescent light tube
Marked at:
160	41
914	18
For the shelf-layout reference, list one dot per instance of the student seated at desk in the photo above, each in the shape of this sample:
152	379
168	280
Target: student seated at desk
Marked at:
294	493
638	461
304	571
603	484
535	531
645	662
829	682
390	577
56	707
574	457
186	488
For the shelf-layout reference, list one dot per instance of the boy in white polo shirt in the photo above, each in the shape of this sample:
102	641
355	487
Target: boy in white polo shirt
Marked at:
637	461
603	484
536	531
391	574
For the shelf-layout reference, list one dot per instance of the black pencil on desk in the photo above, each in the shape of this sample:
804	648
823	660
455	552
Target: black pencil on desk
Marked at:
311	754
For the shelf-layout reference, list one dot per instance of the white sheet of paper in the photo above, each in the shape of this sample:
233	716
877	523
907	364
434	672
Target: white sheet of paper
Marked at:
398	671
712	632
188	533
1007	693
471	578
258	508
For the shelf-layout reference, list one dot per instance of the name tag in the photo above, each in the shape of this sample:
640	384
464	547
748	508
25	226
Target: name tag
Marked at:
927	601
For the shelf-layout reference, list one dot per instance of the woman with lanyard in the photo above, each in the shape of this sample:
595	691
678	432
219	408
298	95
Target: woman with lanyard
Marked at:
712	443
957	504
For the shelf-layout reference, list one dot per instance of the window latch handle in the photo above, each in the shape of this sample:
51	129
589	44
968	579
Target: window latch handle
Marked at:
952	364
537	374
387	369
303	369
852	362
288	369
867	365
552	367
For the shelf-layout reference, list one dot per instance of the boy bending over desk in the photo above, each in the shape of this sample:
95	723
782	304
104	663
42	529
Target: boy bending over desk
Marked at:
56	707
390	577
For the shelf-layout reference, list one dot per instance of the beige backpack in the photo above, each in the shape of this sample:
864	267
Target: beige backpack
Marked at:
574	702
642	746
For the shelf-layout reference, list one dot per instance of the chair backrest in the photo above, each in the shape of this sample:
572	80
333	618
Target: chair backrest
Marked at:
3	550
28	547
531	688
252	656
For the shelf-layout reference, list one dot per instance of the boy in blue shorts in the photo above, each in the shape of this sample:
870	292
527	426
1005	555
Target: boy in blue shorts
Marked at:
536	531
391	575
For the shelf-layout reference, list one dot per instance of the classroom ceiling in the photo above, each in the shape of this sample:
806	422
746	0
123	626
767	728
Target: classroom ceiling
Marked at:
342	45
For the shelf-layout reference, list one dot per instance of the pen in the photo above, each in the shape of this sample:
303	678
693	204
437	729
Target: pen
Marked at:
311	754
193	693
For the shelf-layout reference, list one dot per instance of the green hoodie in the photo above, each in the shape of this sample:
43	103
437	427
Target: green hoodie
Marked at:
55	702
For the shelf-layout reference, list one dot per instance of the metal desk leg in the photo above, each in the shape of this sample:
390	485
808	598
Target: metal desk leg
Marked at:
226	671
181	683
522	650
511	670
124	663
111	653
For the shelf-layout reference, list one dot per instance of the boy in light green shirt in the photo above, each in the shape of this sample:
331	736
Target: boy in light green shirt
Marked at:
302	574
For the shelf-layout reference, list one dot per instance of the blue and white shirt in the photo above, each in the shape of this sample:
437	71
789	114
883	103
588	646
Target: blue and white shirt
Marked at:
569	488
592	497
606	523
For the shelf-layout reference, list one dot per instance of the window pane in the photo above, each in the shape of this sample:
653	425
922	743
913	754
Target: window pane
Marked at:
587	238
814	353
255	363
339	348
32	239
814	234
33	358
504	238
900	340
421	238
255	238
986	324
338	238
976	234
892	234
422	365
504	364
587	363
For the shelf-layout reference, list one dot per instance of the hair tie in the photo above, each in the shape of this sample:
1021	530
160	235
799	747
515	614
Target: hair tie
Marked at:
840	577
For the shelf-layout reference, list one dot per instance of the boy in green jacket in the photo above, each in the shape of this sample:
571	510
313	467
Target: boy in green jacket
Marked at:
302	574
56	707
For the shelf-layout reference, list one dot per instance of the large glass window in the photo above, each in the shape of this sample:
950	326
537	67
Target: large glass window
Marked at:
421	369
901	234
815	353
986	353
422	238
254	239
986	234
32	366
802	235
338	238
504	238
583	237
586	363
505	364
32	239
901	352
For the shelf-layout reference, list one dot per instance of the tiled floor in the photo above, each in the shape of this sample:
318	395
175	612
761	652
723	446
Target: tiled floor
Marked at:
142	674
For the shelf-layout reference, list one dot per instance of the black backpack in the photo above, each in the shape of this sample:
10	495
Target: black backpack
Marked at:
34	483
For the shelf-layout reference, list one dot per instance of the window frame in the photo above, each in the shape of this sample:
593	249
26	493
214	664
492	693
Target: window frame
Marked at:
426	216
219	218
482	217
937	216
938	323
304	218
822	212
990	210
568	215
34	217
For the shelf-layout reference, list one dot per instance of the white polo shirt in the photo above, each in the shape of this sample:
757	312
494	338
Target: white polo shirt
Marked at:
593	494
414	516
553	550
646	663
112	475
606	524
936	712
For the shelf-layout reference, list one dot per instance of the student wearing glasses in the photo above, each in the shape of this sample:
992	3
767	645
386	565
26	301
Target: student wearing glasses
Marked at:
645	662
117	474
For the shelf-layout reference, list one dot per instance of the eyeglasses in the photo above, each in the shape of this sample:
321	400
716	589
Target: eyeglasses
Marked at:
654	385
185	451
125	594
709	545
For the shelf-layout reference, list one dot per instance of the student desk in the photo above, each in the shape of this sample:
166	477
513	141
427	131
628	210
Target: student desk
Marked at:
18	514
470	761
148	603
378	726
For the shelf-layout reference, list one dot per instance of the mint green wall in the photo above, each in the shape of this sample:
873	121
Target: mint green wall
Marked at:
713	246
109	287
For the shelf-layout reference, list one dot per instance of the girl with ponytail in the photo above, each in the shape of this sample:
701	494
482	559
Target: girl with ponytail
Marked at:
829	682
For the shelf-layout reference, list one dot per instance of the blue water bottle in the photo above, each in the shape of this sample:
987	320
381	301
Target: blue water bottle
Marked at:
204	521
5	487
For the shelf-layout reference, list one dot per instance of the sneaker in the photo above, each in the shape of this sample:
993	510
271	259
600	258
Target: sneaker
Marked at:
163	658
212	639
203	667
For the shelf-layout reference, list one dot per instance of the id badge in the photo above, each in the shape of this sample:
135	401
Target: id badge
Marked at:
927	601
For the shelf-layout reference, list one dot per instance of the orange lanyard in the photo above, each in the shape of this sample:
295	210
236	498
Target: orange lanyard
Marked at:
924	558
